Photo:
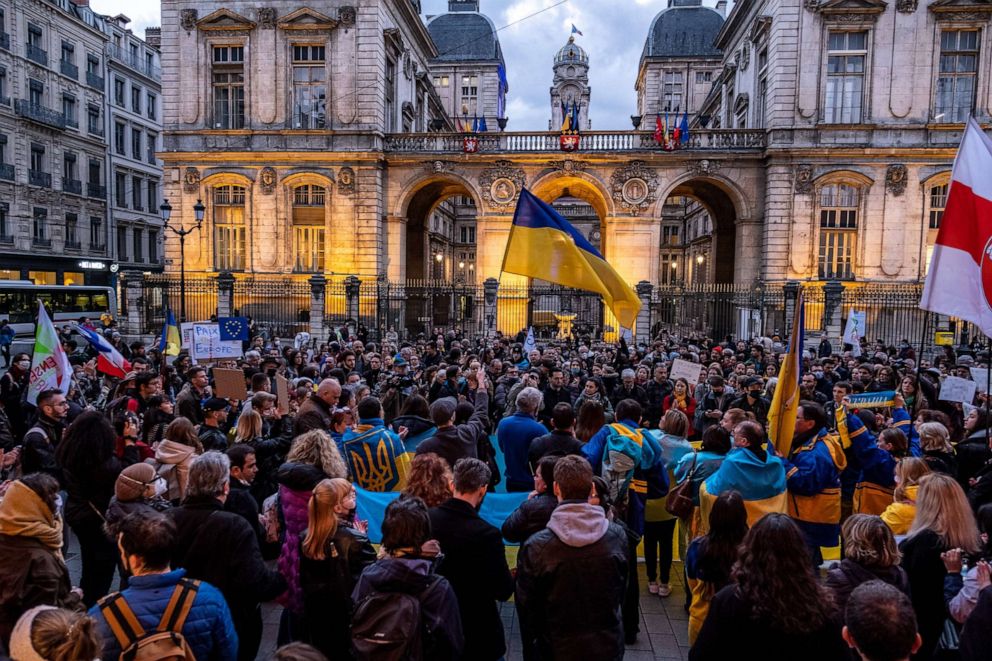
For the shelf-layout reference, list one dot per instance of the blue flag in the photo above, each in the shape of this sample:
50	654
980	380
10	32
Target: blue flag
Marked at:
576	30
171	341
233	328
684	128
482	124
575	116
504	87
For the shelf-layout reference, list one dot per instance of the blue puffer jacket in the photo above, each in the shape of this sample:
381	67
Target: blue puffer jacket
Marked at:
208	630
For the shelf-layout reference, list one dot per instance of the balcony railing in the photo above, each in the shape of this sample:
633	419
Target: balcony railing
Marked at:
36	54
93	129
39	113
7	171
73	245
96	191
135	62
41	242
39	178
94	81
591	141
69	69
73	186
4	100
4	41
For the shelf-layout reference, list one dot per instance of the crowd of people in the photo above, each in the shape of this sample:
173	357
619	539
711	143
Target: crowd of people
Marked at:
204	508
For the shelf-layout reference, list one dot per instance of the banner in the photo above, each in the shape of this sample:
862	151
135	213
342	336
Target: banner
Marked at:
956	389
854	331
50	369
873	400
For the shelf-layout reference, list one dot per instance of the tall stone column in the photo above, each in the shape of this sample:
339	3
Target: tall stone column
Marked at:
832	293
225	294
134	303
791	289
318	285
490	290
643	333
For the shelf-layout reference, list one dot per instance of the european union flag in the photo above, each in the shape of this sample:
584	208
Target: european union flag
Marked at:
233	328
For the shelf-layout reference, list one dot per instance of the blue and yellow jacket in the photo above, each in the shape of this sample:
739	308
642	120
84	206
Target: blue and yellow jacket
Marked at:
376	456
873	491
760	483
812	473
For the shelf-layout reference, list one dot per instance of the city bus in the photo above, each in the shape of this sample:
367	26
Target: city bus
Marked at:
19	303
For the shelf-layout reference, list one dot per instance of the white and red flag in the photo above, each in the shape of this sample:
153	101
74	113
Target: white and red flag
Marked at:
108	359
959	280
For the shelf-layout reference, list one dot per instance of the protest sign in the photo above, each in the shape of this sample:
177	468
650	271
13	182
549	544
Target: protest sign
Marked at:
872	400
230	384
683	369
282	394
207	345
956	389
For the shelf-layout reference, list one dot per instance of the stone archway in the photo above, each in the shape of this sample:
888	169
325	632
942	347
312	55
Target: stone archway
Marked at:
416	207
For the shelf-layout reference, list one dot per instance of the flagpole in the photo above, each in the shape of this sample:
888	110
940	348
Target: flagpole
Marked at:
919	361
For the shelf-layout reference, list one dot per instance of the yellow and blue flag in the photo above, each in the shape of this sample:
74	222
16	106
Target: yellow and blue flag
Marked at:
233	328
785	403
566	119
544	245
171	341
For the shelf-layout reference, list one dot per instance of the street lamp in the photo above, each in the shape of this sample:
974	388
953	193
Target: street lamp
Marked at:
181	232
699	259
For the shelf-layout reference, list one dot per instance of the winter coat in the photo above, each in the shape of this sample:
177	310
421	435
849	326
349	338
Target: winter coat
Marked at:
474	563
208	630
314	413
90	490
531	516
729	632
270	454
844	576
976	637
706	463
40	442
460	441
212	438
973	452
813	476
189	404
438	603
172	461
941	462
327	586
418	430
117	511
558	443
899	515
515	434
981	493
296	483
221	548
377	458
921	560
571	580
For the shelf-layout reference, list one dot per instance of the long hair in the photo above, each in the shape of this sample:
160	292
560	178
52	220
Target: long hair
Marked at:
775	578
249	426
869	542
322	520
728	527
429	479
316	448
418	406
591	418
62	635
909	472
942	507
182	431
89	442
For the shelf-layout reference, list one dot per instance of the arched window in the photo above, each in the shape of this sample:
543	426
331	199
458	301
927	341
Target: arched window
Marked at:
229	228
308	228
839	206
936	201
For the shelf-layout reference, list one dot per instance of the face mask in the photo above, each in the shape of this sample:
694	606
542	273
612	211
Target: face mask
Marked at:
24	364
818	375
160	487
576	371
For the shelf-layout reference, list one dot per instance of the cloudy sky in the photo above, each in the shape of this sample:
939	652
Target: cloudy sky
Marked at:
613	38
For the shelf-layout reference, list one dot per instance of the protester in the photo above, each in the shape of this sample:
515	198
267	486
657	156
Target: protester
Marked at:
174	456
515	435
46	633
561	441
879	623
534	513
900	513
870	554
453	442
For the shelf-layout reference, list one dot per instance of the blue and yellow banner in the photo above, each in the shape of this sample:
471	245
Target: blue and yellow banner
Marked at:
544	245
171	341
785	403
873	400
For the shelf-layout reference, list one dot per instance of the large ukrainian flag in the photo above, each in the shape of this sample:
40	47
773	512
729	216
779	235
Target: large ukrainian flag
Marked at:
785	403
544	245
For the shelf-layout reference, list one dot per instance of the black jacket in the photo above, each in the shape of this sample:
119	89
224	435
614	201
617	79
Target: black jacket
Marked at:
552	398
847	574
212	438
38	455
90	489
531	516
241	502
729	632
976	637
972	454
759	407
637	393
921	560
456	442
220	548
981	493
656	392
314	413
557	442
327	586
474	563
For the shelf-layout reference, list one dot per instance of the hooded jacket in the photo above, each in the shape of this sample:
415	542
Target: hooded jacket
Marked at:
844	576
296	483
812	474
571	579
173	461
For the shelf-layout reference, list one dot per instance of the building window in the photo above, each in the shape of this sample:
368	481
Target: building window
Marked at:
119	138
68	53
36	92
71	230
958	72
139	249
152	188
136	153
136	99
309	87
470	94
390	98
308	228
150	147
92	65
150	102
122	244
846	55
442	81
229	87
704	77
839	204
70	171
3	149
938	200
93	123
229	228
669	268
120	189
4	220
37	157
761	93
152	246
69	110
119	92
137	201
3	86
671	90
95	178
39	224
669	235
96	233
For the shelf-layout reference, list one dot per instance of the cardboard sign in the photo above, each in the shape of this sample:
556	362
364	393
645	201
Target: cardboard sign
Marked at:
956	389
207	345
981	377
230	384
683	369
282	394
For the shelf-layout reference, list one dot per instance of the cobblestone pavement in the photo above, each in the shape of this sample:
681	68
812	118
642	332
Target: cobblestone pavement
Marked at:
663	633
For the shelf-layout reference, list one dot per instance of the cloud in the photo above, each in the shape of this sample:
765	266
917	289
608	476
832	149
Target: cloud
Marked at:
143	13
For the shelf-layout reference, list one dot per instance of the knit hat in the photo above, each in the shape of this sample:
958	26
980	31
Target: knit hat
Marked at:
442	410
133	481
21	647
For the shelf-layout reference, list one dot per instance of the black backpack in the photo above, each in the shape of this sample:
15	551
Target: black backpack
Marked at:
389	626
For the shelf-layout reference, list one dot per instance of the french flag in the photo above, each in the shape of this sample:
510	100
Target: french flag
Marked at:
108	359
959	280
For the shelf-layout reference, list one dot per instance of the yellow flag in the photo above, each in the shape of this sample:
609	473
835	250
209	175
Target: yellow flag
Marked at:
785	403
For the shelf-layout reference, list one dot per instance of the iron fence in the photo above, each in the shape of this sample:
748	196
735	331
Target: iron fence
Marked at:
278	307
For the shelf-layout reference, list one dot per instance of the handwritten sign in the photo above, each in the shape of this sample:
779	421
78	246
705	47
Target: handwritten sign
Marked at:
956	389
981	378
683	369
207	345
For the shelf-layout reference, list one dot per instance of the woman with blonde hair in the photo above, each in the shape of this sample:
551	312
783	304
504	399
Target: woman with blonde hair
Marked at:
870	554
54	634
943	521
316	448
935	442
430	479
334	552
174	456
900	514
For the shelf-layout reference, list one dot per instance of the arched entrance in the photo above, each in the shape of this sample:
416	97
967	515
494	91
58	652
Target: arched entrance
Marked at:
698	234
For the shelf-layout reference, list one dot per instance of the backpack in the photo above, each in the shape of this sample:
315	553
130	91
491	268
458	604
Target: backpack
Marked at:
166	642
621	455
389	626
